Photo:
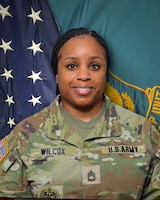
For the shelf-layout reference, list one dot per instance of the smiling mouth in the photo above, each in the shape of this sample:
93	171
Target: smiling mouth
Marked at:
83	91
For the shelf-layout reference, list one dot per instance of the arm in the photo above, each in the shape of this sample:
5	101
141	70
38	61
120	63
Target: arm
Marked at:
13	174
152	185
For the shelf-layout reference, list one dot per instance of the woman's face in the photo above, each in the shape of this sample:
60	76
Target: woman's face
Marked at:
81	74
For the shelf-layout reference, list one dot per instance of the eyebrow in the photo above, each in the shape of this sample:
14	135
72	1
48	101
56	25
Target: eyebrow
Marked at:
96	57
75	58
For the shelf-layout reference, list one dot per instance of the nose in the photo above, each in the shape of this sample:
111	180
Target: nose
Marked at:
83	74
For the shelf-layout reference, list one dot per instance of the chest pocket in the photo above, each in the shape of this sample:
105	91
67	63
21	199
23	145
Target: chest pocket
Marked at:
52	163
52	168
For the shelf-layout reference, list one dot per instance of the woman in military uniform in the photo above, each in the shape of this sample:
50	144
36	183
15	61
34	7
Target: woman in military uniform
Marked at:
82	146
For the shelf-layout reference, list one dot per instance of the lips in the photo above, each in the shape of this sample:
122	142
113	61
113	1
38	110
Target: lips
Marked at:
83	90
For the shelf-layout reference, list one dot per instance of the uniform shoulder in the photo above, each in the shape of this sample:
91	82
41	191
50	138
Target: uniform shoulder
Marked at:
127	117
31	124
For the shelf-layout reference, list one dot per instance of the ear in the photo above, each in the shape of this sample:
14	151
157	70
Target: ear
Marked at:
57	78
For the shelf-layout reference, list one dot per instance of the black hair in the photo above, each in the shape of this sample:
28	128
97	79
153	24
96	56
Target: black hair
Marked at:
67	36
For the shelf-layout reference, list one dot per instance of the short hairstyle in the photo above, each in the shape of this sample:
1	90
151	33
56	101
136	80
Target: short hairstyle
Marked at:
67	36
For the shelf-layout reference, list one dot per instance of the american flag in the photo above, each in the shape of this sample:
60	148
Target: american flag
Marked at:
3	149
28	32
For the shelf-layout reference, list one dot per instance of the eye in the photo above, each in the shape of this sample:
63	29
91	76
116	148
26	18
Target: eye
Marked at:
71	66
94	67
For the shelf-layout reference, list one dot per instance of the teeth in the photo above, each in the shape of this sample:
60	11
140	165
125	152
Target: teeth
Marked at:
83	89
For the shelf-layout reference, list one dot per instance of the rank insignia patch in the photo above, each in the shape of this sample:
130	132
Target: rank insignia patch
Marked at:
4	150
91	175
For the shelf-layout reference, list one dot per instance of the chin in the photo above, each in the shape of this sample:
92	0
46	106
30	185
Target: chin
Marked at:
84	105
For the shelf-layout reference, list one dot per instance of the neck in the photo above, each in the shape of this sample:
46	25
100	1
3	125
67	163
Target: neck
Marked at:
83	113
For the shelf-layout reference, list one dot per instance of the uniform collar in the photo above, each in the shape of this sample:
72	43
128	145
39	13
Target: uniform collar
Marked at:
56	128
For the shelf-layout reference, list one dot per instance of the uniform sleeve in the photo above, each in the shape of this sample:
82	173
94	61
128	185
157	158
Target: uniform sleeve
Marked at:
152	185
13	173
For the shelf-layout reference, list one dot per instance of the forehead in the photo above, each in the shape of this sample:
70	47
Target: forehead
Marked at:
77	42
82	37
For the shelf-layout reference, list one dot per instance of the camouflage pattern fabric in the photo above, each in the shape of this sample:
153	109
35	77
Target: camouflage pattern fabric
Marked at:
44	157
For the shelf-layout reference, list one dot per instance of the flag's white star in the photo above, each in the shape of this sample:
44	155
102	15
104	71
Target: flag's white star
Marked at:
6	46
35	47
35	100
4	12
11	122
7	74
9	100
35	15
35	76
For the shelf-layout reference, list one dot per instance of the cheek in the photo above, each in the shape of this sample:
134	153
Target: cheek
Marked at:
101	80
60	76
66	77
63	80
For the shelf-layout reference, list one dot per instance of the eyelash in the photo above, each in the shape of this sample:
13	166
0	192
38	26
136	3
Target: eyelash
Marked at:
73	66
96	67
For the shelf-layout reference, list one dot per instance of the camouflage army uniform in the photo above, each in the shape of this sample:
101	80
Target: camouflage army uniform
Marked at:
44	157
